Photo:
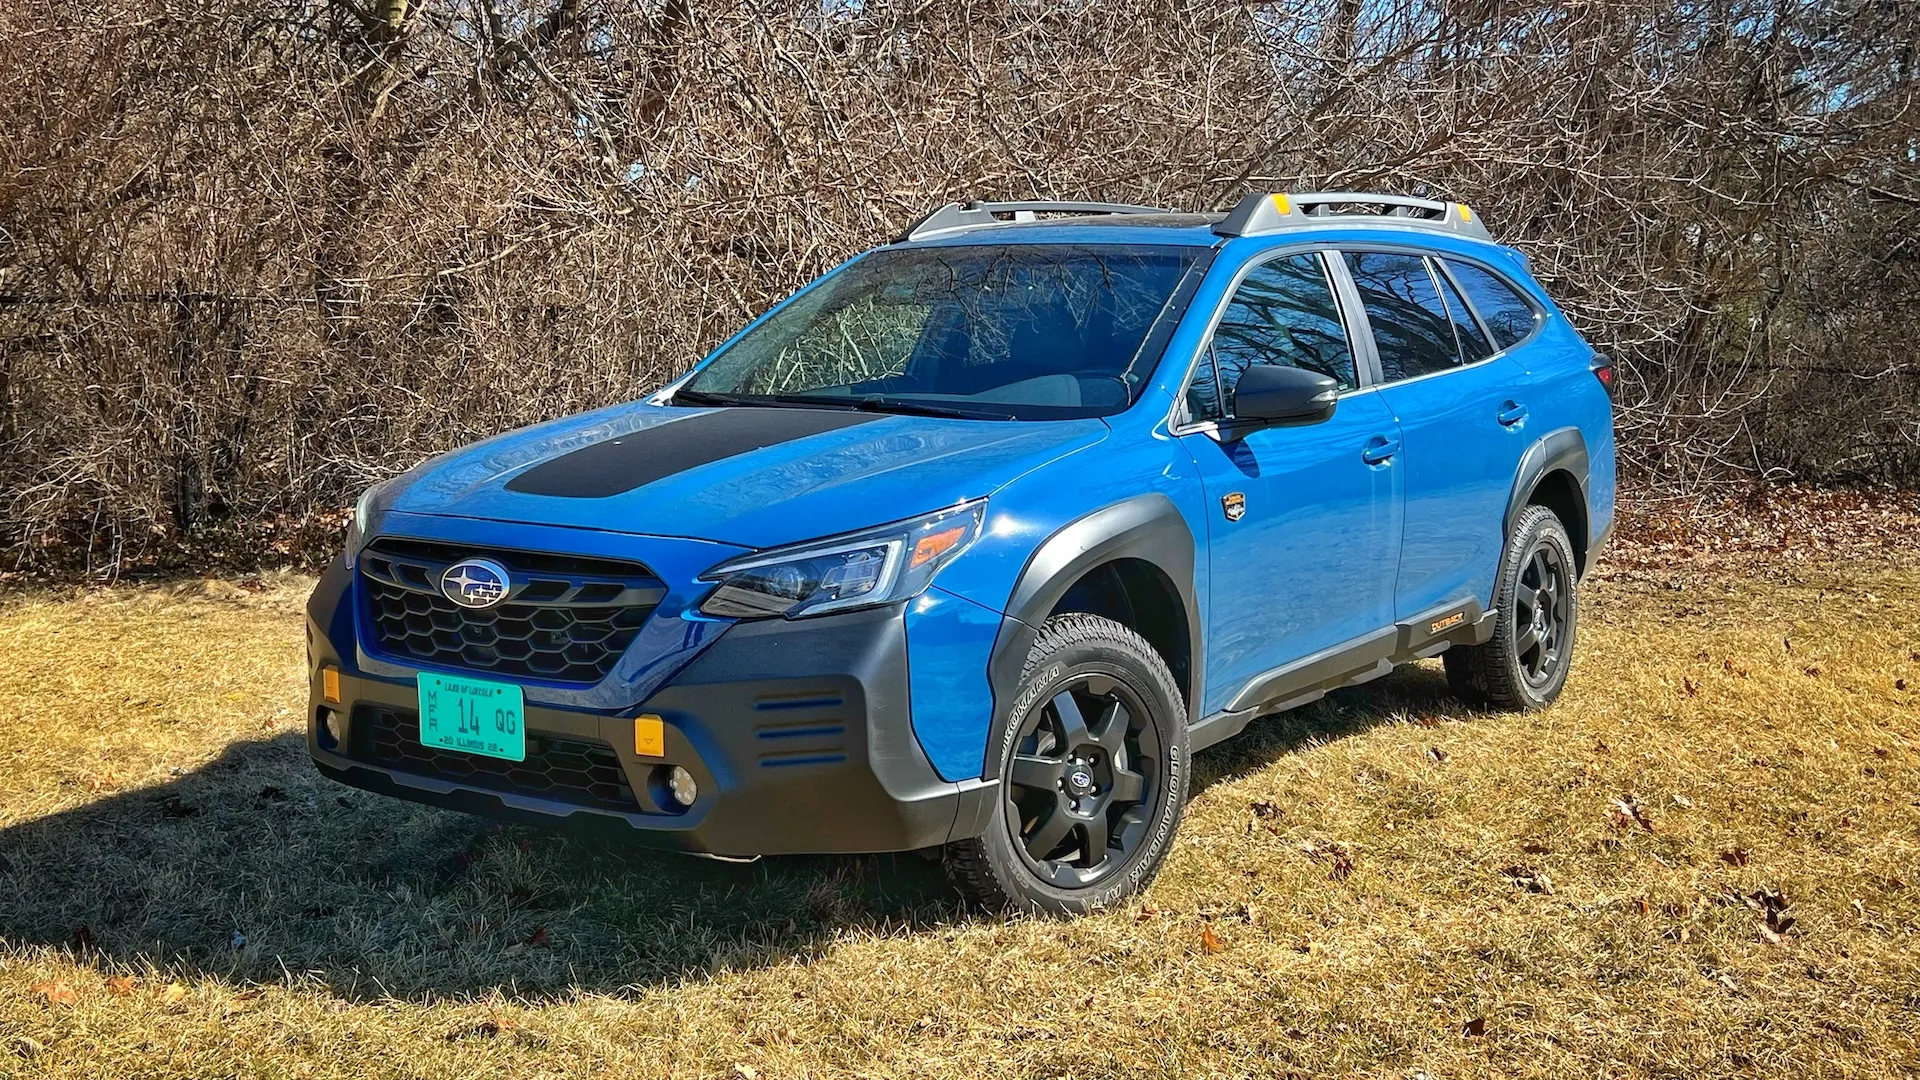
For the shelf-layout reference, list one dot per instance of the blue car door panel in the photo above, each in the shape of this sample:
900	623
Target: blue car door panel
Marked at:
1303	520
1461	415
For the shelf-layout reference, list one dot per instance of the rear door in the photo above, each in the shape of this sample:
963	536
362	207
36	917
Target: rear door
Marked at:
1461	409
1303	521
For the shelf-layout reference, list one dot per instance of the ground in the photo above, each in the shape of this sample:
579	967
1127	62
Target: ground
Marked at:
1705	860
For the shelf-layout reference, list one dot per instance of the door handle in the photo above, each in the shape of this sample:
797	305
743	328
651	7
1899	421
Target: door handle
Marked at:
1511	413
1379	450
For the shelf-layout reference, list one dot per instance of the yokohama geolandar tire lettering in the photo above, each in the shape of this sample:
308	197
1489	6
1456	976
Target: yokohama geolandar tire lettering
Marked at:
1524	665
1093	777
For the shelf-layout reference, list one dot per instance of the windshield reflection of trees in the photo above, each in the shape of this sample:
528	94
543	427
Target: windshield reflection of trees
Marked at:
964	321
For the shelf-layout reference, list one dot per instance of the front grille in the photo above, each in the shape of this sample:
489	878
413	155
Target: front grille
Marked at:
564	618
579	772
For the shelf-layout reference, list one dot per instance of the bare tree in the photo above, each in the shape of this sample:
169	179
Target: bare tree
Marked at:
257	253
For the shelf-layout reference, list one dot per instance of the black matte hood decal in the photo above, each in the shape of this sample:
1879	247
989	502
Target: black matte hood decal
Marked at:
638	458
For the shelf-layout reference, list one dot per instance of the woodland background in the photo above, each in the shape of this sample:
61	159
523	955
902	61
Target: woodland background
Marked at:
256	254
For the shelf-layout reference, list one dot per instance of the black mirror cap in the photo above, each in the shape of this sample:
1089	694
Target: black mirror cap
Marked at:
1271	393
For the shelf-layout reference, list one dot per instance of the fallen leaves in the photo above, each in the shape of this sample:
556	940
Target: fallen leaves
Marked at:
120	985
1528	879
56	993
1337	854
1772	908
174	994
1736	857
1209	940
1474	1028
1438	755
1626	811
536	940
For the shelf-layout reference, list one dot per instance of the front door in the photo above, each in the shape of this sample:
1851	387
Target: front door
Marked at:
1303	522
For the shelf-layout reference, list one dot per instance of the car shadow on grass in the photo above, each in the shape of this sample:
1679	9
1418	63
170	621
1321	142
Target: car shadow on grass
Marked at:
255	869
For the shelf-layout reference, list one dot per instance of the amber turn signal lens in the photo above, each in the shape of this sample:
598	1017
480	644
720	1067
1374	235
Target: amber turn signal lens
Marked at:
932	546
330	685
649	736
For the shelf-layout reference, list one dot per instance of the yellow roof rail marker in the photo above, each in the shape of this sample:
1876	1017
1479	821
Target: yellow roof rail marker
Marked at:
1262	213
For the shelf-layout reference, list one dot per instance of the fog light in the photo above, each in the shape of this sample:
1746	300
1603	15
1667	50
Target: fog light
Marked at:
680	783
329	728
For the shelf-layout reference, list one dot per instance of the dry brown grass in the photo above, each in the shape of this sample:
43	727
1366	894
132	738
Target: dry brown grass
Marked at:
1359	887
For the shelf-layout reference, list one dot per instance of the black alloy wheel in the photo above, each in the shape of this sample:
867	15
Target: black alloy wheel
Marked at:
1083	782
1091	767
1524	665
1542	603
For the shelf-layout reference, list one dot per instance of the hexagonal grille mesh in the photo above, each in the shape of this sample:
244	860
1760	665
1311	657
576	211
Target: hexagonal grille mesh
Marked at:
564	619
574	771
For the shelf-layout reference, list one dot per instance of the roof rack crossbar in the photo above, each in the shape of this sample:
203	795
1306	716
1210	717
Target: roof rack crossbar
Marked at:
1261	213
954	216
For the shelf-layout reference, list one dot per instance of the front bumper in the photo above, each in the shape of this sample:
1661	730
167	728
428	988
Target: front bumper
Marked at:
799	736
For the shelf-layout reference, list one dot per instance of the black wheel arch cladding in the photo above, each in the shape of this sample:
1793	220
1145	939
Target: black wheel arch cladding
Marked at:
1146	528
1563	452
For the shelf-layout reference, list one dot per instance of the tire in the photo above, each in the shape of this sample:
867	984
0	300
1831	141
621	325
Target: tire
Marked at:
1093	776
1524	666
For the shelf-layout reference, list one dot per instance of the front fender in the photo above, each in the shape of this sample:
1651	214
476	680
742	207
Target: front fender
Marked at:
1145	527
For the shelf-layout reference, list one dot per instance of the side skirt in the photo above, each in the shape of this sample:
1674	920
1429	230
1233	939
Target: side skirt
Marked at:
1365	658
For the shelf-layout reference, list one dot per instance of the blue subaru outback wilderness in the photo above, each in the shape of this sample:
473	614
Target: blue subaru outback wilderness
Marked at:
970	543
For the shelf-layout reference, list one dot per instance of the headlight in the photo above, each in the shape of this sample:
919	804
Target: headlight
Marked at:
863	569
357	529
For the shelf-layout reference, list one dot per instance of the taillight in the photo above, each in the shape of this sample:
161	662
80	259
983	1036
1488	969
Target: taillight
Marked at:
1603	370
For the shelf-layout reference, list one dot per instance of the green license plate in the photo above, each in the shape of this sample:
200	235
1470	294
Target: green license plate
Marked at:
474	716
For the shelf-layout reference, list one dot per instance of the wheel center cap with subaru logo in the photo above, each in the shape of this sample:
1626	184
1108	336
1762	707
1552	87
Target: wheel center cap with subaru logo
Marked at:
1080	781
475	583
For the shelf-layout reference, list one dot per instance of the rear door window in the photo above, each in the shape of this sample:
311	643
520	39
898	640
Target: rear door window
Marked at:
1474	346
1412	330
1508	315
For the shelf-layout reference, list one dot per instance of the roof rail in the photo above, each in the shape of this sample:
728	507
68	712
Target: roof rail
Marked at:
955	216
1257	214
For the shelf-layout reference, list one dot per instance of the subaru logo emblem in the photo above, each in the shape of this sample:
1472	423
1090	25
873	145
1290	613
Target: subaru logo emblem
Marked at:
475	583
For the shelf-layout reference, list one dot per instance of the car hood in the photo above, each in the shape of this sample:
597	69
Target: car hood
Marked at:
753	477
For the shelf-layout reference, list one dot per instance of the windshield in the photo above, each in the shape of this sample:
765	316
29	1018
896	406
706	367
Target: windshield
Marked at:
1009	332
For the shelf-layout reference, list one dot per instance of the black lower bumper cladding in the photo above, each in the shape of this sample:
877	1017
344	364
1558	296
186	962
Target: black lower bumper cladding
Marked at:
799	738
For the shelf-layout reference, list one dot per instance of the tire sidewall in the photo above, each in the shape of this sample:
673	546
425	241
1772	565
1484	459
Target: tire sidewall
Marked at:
1539	526
1047	673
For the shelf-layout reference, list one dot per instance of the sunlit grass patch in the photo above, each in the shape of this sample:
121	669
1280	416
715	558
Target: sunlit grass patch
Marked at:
1704	860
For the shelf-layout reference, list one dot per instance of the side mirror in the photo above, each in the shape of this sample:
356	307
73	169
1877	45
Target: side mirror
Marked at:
1269	392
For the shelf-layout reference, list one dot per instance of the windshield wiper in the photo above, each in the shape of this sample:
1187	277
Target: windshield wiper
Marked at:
869	403
880	404
751	401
